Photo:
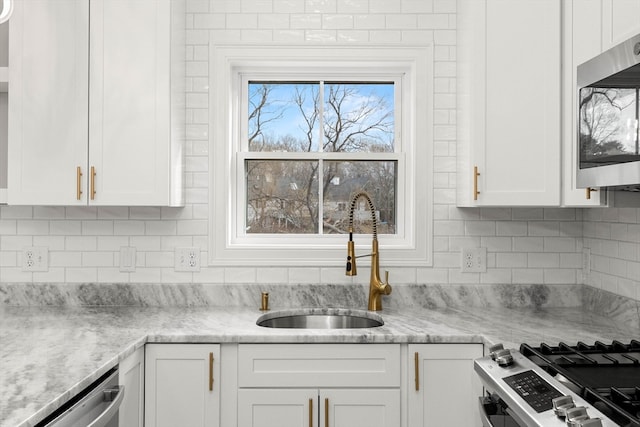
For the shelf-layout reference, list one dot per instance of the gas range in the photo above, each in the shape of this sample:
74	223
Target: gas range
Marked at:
563	385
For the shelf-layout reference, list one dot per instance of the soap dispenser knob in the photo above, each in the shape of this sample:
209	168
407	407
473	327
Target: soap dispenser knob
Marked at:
265	302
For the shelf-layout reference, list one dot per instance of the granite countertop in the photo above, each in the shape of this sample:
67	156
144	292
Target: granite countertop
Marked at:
50	353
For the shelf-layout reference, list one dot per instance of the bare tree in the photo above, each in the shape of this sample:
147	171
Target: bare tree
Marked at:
351	122
599	120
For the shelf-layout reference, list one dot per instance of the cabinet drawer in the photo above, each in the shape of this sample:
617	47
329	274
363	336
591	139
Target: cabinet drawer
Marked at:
318	365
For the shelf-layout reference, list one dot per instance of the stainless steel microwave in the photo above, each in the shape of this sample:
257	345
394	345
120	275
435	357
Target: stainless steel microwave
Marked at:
608	109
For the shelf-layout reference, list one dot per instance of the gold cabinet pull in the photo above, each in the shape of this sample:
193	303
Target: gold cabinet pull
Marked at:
476	174
78	183
310	412
326	412
93	183
589	191
416	359
210	371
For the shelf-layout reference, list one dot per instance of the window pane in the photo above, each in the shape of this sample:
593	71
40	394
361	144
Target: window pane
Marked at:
608	126
358	117
282	196
343	179
283	116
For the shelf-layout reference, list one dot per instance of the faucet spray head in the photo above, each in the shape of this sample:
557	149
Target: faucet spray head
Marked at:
351	256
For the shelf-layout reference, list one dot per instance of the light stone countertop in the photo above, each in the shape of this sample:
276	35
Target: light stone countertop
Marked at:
50	353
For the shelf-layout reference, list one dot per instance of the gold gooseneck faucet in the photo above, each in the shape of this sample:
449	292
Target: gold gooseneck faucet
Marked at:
376	286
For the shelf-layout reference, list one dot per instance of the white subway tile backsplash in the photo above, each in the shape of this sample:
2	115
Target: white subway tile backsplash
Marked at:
256	36
384	6
417	6
444	6
273	21
352	6
209	21
288	36
305	21
527	276
305	275
369	21
128	228
321	36
352	36
243	21
16	212
385	36
289	6
524	245
320	6
544	260
337	22
401	21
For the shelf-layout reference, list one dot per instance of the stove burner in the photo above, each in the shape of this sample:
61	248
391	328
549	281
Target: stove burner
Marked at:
605	375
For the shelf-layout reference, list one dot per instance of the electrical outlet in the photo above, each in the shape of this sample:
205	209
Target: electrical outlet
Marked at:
35	258
187	259
473	260
127	259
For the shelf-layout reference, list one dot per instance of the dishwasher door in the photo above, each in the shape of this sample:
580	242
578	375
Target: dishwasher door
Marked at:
98	408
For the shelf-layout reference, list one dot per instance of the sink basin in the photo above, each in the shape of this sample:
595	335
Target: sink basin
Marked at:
320	318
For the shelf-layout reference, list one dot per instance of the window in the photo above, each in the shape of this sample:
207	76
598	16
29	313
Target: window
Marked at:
307	146
296	131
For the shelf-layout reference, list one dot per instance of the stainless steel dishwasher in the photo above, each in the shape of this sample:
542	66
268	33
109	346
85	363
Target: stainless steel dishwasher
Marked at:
96	406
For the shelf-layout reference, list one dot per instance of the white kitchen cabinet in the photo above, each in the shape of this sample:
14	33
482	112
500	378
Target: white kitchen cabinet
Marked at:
319	407
96	109
182	385
509	102
620	21
334	385
582	39
443	387
131	375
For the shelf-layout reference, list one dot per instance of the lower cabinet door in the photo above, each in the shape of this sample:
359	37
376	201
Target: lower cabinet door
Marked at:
278	407
182	386
360	408
323	407
443	387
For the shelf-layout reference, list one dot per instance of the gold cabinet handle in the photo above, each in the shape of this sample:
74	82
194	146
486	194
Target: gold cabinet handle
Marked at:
326	412
310	412
476	174
78	183
416	358
210	371
589	191
93	183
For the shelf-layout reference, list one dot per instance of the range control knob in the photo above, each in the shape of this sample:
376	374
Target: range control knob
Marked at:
504	358
494	349
562	404
575	416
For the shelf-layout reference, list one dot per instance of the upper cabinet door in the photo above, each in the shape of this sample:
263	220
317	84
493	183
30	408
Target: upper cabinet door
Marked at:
620	21
509	103
47	113
130	121
581	41
96	111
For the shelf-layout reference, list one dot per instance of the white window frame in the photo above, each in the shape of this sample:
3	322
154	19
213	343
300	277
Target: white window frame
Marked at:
411	67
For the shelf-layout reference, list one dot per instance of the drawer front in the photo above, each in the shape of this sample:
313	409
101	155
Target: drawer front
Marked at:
319	365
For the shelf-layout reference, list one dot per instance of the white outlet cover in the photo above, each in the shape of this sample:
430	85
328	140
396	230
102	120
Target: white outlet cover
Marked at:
473	260
35	258
187	259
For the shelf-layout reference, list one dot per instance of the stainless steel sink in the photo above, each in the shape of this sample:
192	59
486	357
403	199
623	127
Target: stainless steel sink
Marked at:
320	318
